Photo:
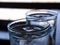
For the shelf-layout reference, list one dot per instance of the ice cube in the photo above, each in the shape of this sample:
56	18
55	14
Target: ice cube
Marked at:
51	22
37	23
28	29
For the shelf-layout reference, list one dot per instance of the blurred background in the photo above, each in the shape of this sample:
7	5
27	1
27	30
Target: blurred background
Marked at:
11	10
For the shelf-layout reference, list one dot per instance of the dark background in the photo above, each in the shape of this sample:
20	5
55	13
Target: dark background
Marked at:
27	5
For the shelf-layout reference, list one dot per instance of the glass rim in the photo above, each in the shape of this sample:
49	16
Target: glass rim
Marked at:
14	22
49	14
18	21
54	13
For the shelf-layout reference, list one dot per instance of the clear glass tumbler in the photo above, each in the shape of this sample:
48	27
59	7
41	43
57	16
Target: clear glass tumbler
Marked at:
39	28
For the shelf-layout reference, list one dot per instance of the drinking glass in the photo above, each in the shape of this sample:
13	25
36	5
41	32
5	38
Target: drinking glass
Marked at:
38	28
